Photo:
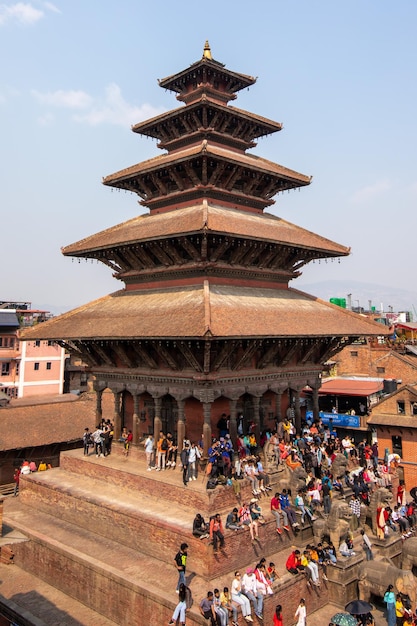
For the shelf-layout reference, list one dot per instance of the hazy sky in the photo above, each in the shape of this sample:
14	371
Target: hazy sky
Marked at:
76	74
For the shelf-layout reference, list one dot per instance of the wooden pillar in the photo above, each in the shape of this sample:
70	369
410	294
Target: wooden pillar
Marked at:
117	416
316	410
135	419
207	426
157	421
297	412
233	423
99	408
278	412
180	424
256	400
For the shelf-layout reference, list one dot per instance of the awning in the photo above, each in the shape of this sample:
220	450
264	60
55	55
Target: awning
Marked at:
351	387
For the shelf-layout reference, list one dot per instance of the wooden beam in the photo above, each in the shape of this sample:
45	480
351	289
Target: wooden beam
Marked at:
217	252
144	355
120	350
189	356
190	248
226	351
269	355
166	355
103	354
247	354
290	352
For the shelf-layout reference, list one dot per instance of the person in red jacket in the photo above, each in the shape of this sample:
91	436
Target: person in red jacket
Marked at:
216	531
293	563
278	616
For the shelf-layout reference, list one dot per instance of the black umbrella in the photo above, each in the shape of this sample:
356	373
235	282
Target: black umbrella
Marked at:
358	607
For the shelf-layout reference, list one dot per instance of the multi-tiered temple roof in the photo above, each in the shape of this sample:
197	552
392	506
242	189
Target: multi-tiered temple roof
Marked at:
206	264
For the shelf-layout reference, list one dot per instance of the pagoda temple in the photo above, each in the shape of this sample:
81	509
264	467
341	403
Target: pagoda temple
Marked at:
205	322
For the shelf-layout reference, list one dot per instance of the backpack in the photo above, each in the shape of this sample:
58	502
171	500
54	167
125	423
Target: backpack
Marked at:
188	598
164	444
211	483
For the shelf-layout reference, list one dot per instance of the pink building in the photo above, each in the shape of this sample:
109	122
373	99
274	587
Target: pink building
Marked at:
28	368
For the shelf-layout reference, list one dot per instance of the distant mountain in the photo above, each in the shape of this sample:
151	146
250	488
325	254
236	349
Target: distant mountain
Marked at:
381	296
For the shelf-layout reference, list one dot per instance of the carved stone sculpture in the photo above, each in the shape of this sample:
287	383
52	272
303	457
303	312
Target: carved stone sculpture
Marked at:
380	497
409	553
336	525
339	465
374	577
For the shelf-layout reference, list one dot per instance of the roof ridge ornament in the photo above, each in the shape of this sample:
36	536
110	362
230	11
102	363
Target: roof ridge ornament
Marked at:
207	51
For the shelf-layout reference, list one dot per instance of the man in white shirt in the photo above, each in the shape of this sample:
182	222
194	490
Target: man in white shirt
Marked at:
251	591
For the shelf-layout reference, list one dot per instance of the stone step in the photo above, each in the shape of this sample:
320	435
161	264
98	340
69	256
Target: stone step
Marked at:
27	599
131	473
149	524
96	571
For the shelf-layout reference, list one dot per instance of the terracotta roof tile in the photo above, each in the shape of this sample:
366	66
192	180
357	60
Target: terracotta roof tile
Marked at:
224	311
205	148
42	424
211	218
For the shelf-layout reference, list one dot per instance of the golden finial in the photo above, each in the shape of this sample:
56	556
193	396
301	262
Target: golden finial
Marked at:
207	51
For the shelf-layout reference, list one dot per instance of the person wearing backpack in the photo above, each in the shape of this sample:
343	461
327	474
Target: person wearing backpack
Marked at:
161	448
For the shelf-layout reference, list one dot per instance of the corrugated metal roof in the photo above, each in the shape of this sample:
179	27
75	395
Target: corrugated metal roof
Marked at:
8	318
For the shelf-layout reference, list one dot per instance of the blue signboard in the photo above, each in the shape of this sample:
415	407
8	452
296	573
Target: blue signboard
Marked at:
338	419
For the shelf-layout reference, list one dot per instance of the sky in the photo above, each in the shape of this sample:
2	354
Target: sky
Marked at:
77	74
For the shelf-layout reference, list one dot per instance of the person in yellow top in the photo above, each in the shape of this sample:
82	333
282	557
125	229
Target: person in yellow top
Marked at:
42	466
399	610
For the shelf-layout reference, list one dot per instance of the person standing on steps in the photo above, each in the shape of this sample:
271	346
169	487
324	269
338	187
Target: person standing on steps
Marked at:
181	564
185	456
389	599
301	613
216	531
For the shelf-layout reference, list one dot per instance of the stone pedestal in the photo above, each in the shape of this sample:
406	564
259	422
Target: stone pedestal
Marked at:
391	547
343	577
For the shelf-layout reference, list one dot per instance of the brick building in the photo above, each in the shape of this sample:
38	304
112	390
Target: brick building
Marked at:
373	359
28	368
395	420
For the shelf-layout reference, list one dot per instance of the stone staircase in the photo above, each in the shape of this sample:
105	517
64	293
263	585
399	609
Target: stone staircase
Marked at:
104	531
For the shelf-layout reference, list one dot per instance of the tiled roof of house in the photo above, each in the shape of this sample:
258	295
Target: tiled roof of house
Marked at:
211	219
43	423
351	387
223	311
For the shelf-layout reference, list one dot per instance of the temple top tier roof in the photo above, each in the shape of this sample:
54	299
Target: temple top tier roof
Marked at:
206	76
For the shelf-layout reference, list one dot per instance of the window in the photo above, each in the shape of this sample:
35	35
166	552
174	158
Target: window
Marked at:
5	369
17	368
397	445
353	353
414	408
50	343
380	370
1	342
401	407
48	365
37	343
36	366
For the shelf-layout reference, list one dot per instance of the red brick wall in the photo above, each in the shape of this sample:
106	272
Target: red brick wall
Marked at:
370	358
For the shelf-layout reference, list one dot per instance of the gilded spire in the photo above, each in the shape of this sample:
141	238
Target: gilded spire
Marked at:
207	51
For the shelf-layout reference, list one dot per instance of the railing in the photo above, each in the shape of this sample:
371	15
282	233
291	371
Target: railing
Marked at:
7	490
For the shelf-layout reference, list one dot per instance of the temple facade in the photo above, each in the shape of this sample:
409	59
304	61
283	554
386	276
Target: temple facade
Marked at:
205	322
